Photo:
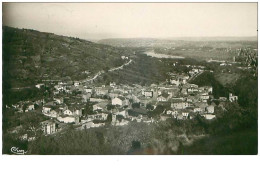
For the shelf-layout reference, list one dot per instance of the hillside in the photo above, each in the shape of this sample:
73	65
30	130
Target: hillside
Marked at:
30	56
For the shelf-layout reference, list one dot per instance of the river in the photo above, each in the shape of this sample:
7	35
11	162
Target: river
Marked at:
153	54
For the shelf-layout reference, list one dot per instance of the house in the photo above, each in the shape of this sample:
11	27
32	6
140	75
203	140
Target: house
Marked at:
148	94
164	117
88	125
59	87
68	112
88	90
197	110
223	99
68	119
91	99
114	94
208	89
46	109
169	112
192	90
48	127
100	106
91	125
101	91
175	81
124	113
210	109
184	91
135	99
138	118
185	114
161	99
124	57
53	113
232	98
201	105
73	110
180	104
59	100
96	107
120	123
30	107
86	97
55	92
179	117
204	97
39	85
99	116
39	102
77	111
164	97
76	83
173	113
121	101
112	84
209	116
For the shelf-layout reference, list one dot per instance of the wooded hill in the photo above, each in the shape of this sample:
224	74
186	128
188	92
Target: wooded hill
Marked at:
29	56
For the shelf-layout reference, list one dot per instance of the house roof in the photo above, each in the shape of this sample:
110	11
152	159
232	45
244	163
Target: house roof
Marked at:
201	104
177	101
47	122
47	106
121	98
102	104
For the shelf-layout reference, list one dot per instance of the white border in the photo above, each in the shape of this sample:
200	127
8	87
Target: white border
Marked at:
128	163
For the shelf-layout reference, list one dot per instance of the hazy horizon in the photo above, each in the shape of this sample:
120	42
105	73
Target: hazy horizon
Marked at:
95	21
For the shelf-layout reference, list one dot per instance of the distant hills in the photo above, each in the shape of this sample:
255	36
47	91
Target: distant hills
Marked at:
30	56
151	42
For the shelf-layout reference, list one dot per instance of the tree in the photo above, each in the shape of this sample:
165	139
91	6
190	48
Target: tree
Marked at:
88	108
149	107
109	118
136	105
157	111
110	107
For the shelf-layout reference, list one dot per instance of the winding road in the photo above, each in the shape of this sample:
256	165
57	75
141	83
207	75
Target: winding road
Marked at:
110	70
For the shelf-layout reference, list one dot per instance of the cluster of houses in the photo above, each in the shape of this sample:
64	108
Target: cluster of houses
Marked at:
89	105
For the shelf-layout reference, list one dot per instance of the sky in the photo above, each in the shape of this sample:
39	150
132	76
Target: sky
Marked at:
134	20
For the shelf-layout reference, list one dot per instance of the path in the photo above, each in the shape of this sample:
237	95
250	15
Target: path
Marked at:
110	70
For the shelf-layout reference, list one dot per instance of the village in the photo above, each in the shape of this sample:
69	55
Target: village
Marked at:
87	105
